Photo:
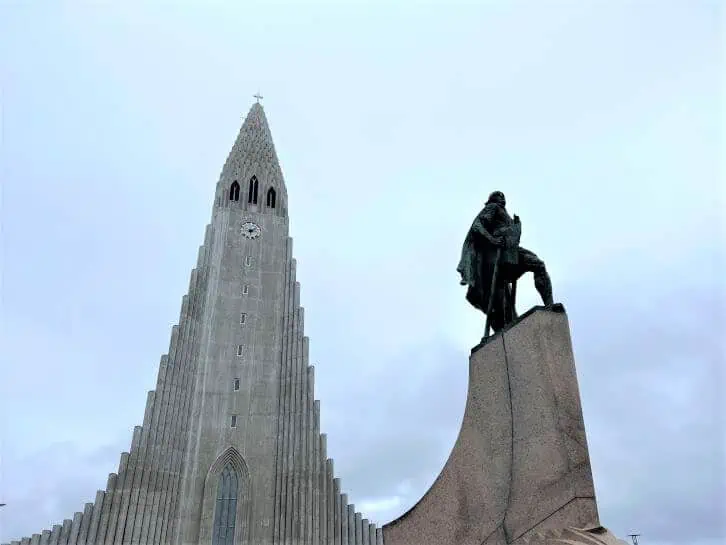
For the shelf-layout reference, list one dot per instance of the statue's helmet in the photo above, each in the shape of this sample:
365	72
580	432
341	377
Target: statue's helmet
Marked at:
498	197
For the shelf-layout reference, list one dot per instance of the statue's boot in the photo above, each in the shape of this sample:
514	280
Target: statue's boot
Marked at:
543	285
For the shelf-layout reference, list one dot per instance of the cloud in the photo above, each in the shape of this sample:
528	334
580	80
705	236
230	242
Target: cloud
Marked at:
597	123
49	485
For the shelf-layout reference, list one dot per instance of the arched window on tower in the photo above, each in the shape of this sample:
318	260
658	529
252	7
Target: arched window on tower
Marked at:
271	196
234	191
225	508
254	185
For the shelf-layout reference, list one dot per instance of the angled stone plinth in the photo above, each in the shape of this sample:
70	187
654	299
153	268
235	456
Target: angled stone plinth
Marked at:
573	536
520	464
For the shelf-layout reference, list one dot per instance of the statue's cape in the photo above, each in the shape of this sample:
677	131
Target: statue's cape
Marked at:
477	265
478	256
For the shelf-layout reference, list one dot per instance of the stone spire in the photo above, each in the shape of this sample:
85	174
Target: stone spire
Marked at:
254	139
253	154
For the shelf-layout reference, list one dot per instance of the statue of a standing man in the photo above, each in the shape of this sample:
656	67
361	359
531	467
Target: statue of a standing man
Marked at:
492	246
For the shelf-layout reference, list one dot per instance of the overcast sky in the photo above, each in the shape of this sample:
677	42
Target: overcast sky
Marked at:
600	120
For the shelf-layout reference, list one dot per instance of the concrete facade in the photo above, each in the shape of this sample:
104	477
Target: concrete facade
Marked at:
520	464
235	390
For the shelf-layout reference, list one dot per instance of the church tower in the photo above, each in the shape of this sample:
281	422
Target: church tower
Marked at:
230	450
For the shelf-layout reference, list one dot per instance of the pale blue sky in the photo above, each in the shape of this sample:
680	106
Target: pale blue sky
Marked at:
601	120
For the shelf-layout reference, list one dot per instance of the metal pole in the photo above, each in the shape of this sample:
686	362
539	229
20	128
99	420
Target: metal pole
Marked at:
491	293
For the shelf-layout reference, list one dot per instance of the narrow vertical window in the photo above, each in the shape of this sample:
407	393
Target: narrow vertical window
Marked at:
236	384
242	318
225	508
271	196
240	348
245	289
248	261
234	191
252	192
233	421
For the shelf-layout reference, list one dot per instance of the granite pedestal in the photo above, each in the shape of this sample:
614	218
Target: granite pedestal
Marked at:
520	465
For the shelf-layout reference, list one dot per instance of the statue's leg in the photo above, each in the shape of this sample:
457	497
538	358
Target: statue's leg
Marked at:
529	262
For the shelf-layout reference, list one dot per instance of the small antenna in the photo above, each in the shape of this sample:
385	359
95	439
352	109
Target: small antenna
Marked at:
634	537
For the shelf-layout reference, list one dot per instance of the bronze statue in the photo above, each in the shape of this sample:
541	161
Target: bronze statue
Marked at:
492	262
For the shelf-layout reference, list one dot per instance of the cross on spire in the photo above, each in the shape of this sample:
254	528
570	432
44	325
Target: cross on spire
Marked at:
258	96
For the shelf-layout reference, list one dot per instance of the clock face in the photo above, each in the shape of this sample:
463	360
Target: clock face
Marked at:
250	229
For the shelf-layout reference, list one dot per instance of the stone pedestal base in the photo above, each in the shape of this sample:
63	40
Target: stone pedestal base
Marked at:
574	536
520	465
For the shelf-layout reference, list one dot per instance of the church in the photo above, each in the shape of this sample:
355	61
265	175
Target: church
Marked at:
230	450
